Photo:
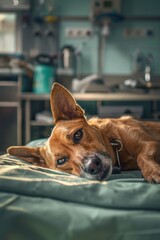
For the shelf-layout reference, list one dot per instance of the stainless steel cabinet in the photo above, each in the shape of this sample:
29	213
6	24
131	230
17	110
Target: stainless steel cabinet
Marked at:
10	113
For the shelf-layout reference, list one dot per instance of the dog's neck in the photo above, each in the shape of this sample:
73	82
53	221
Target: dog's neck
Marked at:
107	127
112	130
109	133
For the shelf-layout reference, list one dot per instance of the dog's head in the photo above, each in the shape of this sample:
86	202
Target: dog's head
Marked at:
75	146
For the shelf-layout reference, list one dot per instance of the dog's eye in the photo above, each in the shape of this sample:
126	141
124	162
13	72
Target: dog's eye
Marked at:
62	160
77	136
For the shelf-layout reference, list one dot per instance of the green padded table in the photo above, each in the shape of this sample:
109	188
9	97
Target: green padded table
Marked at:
41	204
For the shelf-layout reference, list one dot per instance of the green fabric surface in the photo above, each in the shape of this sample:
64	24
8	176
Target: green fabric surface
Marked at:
42	204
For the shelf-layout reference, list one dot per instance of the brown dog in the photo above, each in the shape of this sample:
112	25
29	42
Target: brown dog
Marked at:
90	148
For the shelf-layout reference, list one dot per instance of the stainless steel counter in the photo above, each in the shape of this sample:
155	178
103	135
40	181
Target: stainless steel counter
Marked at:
99	96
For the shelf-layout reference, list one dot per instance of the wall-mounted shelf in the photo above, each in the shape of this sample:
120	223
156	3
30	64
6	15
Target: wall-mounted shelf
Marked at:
86	18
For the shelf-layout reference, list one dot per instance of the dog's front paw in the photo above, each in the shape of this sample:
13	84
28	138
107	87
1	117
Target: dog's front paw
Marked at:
149	167
152	176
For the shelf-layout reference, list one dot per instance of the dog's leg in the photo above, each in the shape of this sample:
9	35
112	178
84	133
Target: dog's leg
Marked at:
149	162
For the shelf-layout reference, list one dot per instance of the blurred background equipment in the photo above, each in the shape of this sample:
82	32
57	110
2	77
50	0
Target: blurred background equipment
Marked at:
105	51
69	61
44	74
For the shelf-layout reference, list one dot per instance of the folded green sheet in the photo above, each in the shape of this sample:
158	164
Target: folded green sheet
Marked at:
42	204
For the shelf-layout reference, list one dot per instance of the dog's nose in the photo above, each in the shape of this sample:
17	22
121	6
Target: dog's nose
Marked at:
93	166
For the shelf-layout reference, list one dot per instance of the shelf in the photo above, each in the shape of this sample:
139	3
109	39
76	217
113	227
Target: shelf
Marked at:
8	84
28	99
87	18
11	71
38	123
98	96
9	104
35	97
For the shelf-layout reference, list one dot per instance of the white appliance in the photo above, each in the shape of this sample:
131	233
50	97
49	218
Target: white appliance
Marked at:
14	5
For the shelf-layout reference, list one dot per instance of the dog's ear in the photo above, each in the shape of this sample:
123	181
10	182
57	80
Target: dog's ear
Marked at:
63	105
29	154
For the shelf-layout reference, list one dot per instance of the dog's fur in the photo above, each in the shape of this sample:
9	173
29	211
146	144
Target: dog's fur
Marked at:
83	148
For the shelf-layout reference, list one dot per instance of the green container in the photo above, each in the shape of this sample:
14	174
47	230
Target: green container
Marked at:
43	79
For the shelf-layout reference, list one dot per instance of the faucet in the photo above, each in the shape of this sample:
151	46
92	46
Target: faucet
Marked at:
81	85
147	71
147	75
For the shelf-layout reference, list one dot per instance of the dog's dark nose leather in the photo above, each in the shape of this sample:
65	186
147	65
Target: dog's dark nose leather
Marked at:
93	166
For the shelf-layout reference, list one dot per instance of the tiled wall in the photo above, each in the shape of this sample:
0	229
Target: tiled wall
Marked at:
119	50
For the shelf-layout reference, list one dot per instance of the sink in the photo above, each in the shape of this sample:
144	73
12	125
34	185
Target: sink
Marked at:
131	85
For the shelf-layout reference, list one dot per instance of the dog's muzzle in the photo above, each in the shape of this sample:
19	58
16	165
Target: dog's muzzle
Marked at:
97	166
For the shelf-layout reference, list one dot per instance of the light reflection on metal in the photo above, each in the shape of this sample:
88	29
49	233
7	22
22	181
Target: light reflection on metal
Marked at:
16	2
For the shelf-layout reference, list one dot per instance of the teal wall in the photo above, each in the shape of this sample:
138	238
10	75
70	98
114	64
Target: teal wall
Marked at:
88	45
119	50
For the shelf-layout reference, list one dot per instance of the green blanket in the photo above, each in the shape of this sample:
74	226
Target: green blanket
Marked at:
42	204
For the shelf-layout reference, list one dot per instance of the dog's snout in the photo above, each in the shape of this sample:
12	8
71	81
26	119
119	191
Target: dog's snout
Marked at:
93	166
97	166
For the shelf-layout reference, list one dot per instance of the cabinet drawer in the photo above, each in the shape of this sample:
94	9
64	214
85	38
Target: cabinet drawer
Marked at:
8	92
8	123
